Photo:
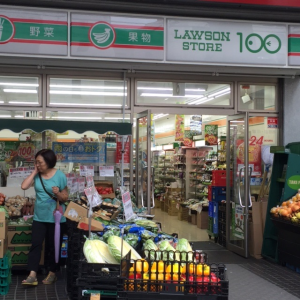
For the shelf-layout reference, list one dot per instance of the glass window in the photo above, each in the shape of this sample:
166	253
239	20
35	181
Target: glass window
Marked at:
257	98
180	93
75	92
19	90
18	114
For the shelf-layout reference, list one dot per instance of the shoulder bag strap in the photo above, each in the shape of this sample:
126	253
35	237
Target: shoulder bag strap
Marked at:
44	186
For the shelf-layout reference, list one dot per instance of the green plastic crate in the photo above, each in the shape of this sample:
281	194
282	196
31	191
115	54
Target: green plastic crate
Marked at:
210	224
4	272
4	290
5	262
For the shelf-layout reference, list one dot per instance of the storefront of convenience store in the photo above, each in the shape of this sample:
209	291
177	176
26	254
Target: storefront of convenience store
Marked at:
83	65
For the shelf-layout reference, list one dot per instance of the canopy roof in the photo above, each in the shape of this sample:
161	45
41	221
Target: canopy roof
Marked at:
17	125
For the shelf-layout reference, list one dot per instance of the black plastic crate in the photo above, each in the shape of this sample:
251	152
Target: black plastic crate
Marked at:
222	240
222	228
91	270
222	206
222	216
105	294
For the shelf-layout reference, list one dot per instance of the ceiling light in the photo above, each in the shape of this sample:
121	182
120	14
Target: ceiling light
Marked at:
19	116
19	84
84	104
20	91
1	101
219	92
166	95
77	118
87	87
207	99
169	89
155	117
5	116
237	121
115	118
87	93
22	102
220	95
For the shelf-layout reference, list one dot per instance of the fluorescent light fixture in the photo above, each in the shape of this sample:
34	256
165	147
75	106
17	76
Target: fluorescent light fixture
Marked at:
75	112
1	102
62	86
84	104
19	84
237	121
22	102
87	93
167	95
20	91
155	117
169	89
76	118
19	116
5	116
159	148
220	95
219	92
115	118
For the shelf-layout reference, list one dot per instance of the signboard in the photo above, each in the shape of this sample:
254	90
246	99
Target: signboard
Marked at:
81	184
89	181
272	122
107	171
126	153
21	172
93	196
87	171
238	221
211	135
179	128
254	156
126	199
74	186
293	42
94	35
196	125
17	151
221	42
80	152
33	32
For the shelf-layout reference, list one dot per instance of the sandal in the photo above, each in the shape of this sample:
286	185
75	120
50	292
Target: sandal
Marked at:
30	281
50	279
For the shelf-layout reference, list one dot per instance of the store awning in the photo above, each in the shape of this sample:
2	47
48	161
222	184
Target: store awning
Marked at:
17	125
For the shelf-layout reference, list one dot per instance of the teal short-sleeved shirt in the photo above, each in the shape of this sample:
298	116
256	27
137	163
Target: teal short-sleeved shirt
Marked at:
44	205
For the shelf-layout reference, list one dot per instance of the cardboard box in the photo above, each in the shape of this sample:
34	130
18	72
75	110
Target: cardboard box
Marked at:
106	184
2	215
20	234
3	247
194	219
3	228
255	240
75	212
95	225
157	203
19	254
264	206
202	220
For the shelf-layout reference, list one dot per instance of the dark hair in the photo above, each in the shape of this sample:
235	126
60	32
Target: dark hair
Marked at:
49	157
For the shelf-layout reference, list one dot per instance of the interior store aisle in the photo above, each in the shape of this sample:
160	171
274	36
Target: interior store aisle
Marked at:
171	224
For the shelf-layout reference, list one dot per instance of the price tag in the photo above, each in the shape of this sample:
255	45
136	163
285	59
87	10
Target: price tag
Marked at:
89	181
81	184
16	173
87	171
107	171
93	196
74	186
126	199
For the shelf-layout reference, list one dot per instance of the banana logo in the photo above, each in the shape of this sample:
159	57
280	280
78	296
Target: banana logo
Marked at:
102	37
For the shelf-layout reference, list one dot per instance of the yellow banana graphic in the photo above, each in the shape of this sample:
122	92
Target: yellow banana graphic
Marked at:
102	37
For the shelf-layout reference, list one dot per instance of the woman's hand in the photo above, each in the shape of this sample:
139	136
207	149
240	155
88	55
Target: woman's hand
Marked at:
55	190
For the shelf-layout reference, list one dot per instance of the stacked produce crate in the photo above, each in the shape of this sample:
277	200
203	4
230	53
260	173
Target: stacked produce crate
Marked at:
5	273
183	213
217	217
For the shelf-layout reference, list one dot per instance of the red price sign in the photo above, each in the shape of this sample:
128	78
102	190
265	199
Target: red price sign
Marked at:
26	151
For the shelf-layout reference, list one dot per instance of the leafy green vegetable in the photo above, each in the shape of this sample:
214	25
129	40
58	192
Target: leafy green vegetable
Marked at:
149	249
184	246
165	246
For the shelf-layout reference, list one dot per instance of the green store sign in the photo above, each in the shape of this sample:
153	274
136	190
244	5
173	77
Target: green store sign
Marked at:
294	182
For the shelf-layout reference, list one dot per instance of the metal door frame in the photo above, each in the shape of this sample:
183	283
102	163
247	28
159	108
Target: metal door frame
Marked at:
144	114
234	248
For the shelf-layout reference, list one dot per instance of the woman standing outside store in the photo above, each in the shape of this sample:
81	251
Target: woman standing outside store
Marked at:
50	186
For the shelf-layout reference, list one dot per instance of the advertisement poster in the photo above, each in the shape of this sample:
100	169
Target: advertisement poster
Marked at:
17	151
126	149
126	199
196	125
238	221
80	152
272	122
211	135
179	128
254	157
188	138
